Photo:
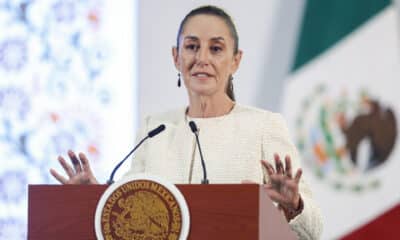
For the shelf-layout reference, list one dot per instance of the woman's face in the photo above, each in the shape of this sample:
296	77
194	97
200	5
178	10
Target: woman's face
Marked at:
206	56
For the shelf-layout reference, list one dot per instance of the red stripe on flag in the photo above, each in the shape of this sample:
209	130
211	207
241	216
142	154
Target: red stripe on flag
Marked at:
386	226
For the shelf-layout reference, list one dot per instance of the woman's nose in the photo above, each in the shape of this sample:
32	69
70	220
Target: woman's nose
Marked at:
202	56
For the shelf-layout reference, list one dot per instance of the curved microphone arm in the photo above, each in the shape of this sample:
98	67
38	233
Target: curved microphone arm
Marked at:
151	134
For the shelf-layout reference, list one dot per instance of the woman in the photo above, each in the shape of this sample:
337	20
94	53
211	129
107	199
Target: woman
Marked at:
234	137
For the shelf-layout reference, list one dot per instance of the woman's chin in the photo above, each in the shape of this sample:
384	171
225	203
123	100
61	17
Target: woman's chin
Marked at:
203	91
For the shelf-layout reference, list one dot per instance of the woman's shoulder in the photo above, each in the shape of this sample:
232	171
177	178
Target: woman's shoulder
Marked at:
257	113
263	120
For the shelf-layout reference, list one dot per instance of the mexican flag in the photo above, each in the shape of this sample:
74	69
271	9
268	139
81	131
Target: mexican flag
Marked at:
342	103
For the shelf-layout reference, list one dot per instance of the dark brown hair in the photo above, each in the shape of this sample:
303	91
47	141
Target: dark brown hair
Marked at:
218	12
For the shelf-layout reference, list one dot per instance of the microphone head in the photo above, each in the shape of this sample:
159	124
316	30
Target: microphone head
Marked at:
156	131
193	126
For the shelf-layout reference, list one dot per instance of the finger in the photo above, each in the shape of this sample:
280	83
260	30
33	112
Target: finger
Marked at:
57	176
68	169
277	178
288	166
278	164
268	185
86	168
298	176
85	163
268	167
75	161
275	196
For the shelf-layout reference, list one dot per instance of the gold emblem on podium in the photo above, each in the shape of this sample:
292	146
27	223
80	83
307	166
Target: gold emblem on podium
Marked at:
140	209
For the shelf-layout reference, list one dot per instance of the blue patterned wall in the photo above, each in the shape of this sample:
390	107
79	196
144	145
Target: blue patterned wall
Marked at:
55	59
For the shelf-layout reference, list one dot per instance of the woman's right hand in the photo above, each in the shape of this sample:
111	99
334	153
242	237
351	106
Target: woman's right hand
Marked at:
80	173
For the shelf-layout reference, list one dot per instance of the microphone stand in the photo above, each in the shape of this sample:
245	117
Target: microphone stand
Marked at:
194	129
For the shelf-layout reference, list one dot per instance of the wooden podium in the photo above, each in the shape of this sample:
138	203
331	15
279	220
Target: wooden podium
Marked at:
217	211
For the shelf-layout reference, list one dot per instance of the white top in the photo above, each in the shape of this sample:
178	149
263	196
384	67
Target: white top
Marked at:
232	146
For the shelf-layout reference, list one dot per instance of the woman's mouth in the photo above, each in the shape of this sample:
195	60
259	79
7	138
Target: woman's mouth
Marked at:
201	75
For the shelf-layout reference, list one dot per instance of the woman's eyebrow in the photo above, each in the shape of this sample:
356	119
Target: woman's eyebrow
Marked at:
194	38
214	39
218	39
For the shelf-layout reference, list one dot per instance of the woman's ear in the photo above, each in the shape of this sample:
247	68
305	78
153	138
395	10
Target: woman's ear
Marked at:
236	60
175	57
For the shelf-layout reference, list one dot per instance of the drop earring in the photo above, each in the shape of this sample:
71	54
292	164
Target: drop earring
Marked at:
179	79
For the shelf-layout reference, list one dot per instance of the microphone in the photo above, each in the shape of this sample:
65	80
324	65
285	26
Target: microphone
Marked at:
151	134
194	129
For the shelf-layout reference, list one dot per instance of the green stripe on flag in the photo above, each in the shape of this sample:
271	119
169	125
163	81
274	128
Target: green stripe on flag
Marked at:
327	22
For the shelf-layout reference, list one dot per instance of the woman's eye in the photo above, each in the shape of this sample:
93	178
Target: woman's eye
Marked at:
193	47
216	49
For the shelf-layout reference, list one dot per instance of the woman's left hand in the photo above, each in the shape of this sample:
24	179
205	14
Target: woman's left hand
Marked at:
282	187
